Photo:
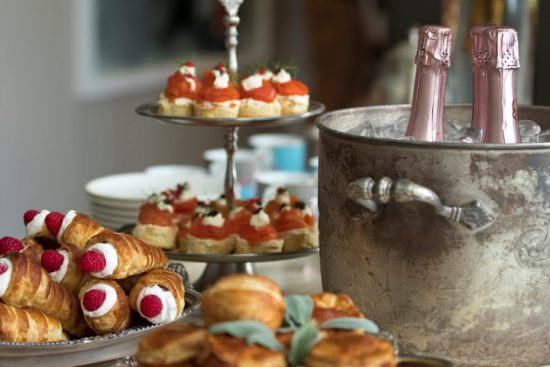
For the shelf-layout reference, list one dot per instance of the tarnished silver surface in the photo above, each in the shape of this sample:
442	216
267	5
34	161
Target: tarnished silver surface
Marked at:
367	192
477	298
231	21
151	110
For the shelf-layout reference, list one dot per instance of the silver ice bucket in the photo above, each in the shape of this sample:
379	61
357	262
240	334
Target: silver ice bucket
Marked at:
444	244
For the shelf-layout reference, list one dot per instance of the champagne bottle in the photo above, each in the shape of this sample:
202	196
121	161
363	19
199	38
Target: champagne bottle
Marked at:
502	65
432	62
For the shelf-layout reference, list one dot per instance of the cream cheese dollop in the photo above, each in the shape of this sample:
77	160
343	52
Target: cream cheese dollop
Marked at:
169	310
283	198
282	77
187	70
59	274
36	224
5	277
108	303
182	101
67	220
213	220
259	219
222	79
111	258
254	81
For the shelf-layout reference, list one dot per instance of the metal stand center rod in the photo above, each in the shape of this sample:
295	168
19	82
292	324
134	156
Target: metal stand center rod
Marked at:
231	138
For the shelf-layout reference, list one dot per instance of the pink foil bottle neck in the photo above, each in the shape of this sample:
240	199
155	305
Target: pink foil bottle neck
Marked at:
432	61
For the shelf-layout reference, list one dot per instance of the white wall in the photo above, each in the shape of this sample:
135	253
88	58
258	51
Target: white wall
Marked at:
50	142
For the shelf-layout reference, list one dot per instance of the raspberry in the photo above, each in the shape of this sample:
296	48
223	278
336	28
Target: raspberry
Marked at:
53	222
51	260
3	268
92	261
93	299
150	306
29	215
10	244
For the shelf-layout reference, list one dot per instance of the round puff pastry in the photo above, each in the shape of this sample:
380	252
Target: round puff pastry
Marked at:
159	236
351	350
227	351
329	306
244	297
174	345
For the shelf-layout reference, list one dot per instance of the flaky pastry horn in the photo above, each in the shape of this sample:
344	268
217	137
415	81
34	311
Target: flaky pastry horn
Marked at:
28	325
28	246
117	256
24	283
105	306
77	229
32	249
158	296
63	265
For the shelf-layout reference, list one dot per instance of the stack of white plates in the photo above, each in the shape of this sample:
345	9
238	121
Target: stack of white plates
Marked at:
115	200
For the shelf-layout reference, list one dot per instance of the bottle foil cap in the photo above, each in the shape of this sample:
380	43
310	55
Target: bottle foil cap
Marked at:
502	47
434	45
478	48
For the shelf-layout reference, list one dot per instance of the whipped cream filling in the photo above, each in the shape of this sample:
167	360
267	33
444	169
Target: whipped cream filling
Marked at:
110	300
185	195
221	202
259	220
307	211
67	220
296	98
191	81
213	220
254	81
207	105
169	310
59	274
266	75
283	198
222	79
185	70
281	77
182	101
36	224
111	259
5	277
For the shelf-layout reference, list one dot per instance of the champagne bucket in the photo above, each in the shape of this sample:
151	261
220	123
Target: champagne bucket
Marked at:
444	244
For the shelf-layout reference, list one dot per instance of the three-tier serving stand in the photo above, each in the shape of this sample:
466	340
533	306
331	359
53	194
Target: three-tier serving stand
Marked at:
220	265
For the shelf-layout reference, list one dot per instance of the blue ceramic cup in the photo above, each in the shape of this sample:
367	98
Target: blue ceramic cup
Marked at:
281	152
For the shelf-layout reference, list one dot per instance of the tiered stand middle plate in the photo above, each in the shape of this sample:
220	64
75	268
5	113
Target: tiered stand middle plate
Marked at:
220	265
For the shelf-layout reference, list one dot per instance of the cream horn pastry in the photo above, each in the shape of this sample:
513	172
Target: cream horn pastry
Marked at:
35	223
63	265
181	92
76	229
296	226
293	95
29	247
218	97
24	283
258	97
158	296
155	224
28	325
117	256
105	306
258	235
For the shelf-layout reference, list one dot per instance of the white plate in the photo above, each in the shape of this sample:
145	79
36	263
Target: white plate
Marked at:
118	219
128	190
182	171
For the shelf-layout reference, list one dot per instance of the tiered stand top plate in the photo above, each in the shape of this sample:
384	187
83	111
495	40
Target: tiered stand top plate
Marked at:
152	110
240	258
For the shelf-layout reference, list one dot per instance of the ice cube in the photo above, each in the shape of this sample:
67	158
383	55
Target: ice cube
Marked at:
465	135
544	137
529	131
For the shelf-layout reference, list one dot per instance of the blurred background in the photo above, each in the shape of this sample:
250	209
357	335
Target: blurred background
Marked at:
72	72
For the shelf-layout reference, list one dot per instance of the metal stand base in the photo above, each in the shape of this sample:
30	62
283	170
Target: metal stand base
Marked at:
214	271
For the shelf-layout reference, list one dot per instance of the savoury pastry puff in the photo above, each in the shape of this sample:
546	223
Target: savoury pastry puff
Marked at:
227	351
329	306
244	297
351	350
174	345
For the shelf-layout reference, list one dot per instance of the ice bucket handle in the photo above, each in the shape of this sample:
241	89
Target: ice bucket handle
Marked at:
371	194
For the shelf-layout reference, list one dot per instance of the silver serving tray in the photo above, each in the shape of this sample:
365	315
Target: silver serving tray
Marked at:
151	110
93	349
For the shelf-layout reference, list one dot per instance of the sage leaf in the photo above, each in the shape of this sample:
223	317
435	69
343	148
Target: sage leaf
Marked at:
352	323
254	332
298	310
303	340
